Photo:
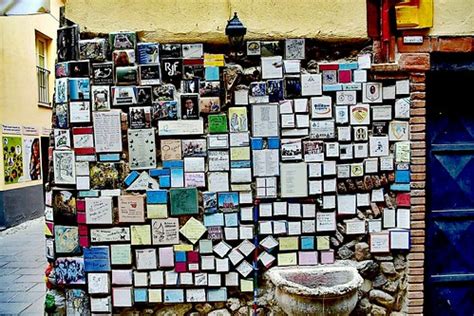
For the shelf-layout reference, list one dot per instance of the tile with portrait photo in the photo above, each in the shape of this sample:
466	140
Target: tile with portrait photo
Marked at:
164	110
209	105
193	68
164	92
271	48
143	95
170	50
190	85
209	88
189	106
150	74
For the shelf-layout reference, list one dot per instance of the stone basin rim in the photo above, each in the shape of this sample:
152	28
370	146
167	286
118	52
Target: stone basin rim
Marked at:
323	292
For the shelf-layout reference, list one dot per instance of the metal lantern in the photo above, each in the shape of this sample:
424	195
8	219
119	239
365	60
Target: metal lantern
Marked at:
235	31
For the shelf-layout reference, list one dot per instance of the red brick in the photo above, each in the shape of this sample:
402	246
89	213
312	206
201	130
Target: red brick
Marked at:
417	120
417	240
415	263
417	127
412	295
415	310
453	44
418	111
415	287
418	185
415	302
418	176
417	249
418	95
418	168
416	271
416	278
418	160
418	103
417	136
418	200
418	208
418	145
389	75
416	256
417	216
418	153
418	193
415	61
417	77
417	87
390	71
418	233
418	225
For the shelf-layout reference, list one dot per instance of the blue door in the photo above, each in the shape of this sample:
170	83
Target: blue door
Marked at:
449	265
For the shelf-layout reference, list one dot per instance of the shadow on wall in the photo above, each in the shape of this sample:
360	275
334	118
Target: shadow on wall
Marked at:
20	205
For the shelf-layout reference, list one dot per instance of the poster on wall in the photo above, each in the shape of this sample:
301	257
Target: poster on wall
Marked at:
31	159
12	159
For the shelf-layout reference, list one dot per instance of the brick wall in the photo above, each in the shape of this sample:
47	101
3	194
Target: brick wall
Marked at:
415	60
418	195
414	66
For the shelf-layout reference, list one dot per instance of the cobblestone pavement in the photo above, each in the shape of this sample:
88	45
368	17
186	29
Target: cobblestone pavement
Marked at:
22	265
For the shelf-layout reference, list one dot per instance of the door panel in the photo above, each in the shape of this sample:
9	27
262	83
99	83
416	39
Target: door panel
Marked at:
450	214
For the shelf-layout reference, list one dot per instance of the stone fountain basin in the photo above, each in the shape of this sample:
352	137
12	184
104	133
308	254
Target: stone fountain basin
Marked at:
316	290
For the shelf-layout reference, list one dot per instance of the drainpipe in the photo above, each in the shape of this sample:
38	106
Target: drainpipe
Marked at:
386	31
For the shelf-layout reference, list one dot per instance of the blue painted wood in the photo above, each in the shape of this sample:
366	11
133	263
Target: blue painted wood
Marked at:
452	278
450	184
451	147
435	214
452	62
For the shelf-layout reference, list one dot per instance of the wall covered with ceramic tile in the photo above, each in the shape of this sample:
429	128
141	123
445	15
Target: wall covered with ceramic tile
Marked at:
181	173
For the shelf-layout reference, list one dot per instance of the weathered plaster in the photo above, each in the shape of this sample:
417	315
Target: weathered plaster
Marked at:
453	17
205	20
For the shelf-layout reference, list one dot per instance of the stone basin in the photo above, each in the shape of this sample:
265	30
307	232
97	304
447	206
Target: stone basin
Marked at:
316	290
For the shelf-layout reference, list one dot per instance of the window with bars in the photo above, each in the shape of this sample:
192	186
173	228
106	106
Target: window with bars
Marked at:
42	71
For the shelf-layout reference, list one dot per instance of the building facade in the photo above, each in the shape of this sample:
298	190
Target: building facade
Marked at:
27	56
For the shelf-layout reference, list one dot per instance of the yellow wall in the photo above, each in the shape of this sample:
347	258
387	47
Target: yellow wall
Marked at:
453	17
18	79
205	20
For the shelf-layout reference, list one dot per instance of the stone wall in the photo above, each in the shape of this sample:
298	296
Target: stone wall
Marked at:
340	231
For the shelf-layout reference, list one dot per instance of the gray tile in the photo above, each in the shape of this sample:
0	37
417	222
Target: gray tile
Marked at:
5	279
17	287
23	259
8	271
12	308
40	287
9	251
25	264
5	297
34	271
27	297
22	264
35	309
37	278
